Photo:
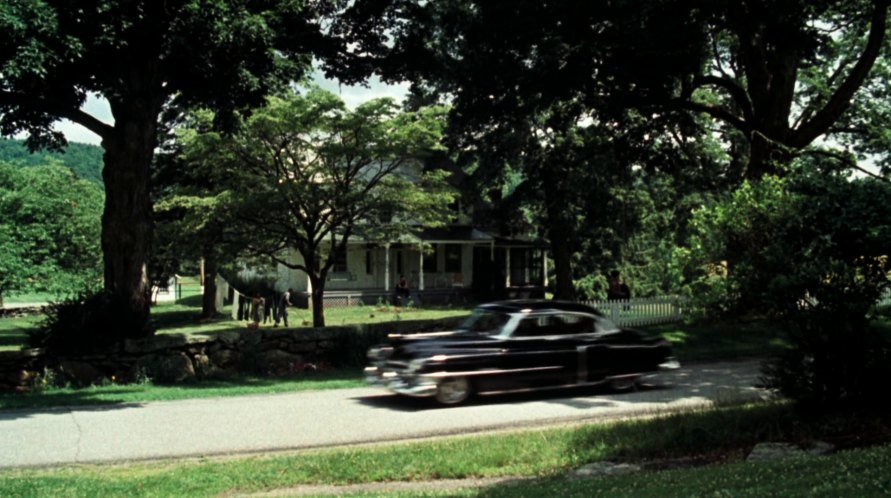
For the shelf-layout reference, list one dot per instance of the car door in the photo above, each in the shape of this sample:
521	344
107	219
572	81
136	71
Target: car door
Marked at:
591	360
539	352
615	352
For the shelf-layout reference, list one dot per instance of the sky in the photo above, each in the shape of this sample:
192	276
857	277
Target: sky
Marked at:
351	95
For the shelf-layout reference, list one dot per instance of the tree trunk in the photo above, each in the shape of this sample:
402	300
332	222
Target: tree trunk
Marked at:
559	235
563	286
760	162
318	305
127	219
209	297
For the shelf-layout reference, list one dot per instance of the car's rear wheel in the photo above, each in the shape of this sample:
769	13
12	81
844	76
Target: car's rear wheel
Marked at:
453	390
623	384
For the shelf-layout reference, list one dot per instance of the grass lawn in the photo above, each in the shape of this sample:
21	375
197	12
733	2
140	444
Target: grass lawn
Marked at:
110	393
14	331
183	317
719	438
29	298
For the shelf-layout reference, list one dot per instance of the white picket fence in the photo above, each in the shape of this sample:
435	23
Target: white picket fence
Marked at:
641	311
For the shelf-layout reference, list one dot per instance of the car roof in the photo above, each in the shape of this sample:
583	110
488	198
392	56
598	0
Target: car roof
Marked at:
516	305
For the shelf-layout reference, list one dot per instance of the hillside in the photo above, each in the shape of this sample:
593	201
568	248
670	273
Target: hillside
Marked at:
84	159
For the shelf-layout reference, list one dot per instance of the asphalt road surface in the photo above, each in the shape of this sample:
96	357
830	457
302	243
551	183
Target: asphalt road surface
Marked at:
252	424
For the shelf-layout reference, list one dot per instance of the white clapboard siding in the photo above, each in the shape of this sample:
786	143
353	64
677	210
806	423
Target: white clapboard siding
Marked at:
641	311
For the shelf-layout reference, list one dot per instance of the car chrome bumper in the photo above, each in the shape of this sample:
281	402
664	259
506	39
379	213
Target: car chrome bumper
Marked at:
416	386
670	364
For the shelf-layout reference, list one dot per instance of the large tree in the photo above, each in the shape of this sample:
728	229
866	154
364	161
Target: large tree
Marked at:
539	88
140	56
786	73
775	75
306	173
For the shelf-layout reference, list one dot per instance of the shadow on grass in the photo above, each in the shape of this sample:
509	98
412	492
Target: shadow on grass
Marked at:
15	338
133	394
13	405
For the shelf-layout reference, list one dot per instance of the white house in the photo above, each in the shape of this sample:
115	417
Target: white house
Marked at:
448	264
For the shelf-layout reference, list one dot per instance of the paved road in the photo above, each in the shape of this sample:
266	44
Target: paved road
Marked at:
328	418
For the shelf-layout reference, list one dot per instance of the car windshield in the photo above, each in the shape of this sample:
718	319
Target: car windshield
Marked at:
485	321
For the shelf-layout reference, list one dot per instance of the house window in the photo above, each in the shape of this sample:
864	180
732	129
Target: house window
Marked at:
399	263
453	258
430	259
518	265
536	272
340	261
369	267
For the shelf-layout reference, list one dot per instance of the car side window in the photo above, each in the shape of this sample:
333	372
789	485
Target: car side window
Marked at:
546	325
605	326
528	327
575	323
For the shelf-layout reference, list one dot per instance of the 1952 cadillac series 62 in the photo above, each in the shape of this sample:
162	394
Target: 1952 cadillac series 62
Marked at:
512	346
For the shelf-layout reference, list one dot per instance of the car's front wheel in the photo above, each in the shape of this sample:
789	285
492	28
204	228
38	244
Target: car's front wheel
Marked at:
453	390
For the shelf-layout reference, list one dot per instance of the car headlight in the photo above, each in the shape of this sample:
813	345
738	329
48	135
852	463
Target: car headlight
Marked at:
379	352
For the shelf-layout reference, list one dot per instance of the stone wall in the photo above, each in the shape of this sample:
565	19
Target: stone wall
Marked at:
174	358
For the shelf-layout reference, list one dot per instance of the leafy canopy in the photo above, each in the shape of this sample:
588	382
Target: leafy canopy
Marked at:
307	173
50	228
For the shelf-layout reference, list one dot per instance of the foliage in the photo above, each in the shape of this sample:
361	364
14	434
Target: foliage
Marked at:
149	60
90	321
50	230
306	173
193	221
812	250
84	160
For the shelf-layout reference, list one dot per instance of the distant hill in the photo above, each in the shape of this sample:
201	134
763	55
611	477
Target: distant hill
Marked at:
84	159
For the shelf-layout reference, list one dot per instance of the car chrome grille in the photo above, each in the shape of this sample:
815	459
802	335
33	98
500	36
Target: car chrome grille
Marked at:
396	365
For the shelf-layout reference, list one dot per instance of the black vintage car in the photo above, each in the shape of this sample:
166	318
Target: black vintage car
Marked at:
512	346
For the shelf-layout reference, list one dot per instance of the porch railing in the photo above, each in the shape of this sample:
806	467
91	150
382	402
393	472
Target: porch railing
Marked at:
641	311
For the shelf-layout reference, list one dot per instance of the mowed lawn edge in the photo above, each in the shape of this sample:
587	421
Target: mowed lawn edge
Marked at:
722	435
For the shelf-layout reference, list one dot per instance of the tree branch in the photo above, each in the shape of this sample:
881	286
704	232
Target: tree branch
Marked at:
841	99
15	99
737	93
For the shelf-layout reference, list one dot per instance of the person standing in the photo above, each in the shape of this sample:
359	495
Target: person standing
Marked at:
402	292
617	289
283	308
257	310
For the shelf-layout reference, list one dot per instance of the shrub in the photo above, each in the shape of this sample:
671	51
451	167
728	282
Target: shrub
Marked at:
812	250
89	321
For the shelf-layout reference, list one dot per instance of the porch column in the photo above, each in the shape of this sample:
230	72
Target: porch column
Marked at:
544	266
387	266
507	266
420	266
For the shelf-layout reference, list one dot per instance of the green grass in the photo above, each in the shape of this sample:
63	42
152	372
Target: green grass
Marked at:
699	341
861	473
14	331
183	317
29	298
545	454
111	393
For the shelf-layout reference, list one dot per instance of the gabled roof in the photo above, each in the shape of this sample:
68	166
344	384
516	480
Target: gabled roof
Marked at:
454	233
